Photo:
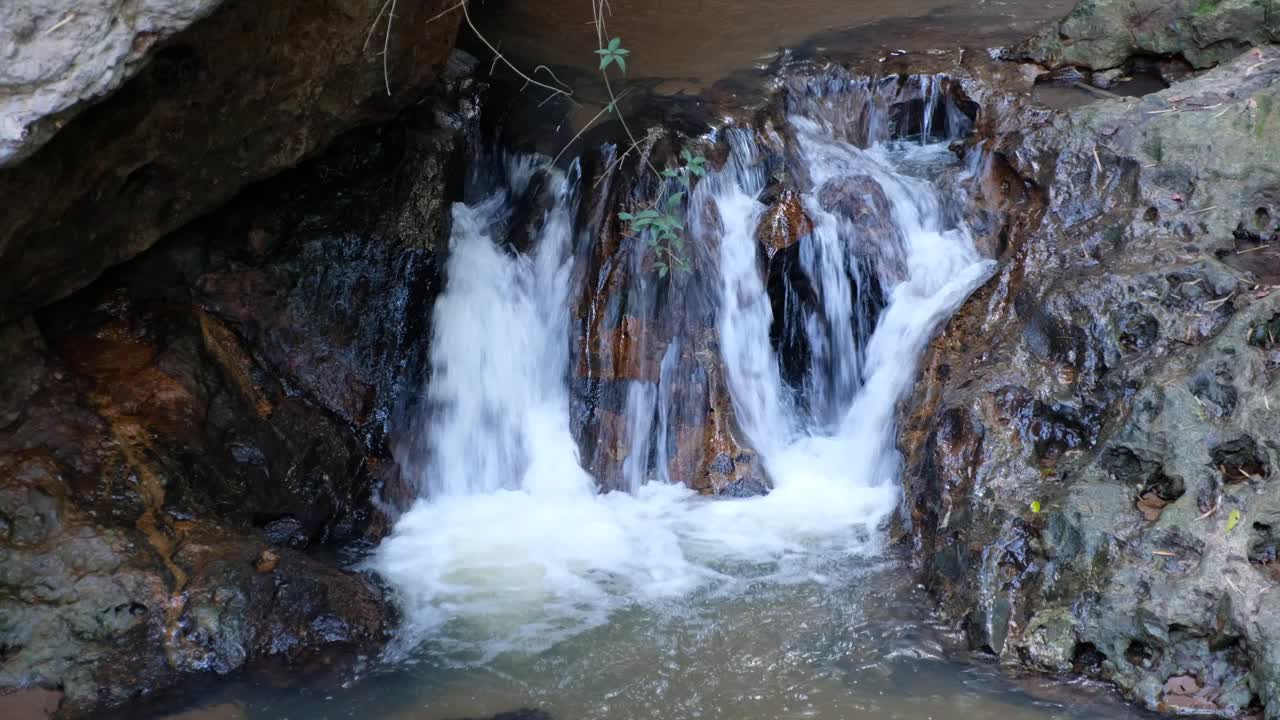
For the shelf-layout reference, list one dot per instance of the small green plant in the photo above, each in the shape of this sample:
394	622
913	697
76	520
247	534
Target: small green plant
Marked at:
1035	506
613	53
665	218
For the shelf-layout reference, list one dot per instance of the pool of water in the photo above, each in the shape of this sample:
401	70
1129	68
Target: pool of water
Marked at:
852	640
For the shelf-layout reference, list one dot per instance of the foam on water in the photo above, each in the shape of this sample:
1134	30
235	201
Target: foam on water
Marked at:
512	548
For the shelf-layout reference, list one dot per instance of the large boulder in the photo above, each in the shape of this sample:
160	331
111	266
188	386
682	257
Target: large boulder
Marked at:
1102	34
176	438
111	588
59	56
1091	454
246	92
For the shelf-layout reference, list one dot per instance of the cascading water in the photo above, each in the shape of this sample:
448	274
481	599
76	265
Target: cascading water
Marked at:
512	548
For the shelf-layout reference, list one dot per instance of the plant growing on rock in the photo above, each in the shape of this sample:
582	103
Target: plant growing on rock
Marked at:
664	220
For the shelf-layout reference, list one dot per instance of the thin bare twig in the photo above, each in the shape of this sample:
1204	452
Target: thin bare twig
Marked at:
65	19
585	127
374	25
386	47
564	90
446	11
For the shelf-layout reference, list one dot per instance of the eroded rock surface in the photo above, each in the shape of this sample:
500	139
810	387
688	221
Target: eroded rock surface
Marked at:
1119	374
1103	34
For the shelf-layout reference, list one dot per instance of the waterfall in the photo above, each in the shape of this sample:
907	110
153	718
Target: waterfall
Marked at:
511	547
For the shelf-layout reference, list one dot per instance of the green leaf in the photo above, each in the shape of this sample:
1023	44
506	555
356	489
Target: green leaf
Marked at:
605	60
626	216
1035	506
648	213
615	43
697	160
698	170
673	202
669	173
684	180
1233	520
622	61
662	271
686	156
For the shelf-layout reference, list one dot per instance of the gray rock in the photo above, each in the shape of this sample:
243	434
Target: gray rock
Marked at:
60	55
1102	34
1107	374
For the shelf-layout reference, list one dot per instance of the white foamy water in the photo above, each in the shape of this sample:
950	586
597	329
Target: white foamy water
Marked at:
512	548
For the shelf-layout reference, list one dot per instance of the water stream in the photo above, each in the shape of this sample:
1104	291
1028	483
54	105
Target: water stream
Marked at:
523	585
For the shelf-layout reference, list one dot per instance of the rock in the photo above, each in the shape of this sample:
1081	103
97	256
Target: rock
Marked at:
266	562
1107	78
1106	372
648	339
1181	685
1104	34
30	704
784	223
286	531
106	592
234	386
62	56
248	91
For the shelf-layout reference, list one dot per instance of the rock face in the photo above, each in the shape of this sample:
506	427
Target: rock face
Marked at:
646	343
1091	455
1102	34
175	436
246	92
61	55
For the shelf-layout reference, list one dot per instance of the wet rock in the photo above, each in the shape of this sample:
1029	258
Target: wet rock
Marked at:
649	397
267	562
286	531
1113	366
172	436
861	202
106	592
1240	460
784	223
285	80
1102	34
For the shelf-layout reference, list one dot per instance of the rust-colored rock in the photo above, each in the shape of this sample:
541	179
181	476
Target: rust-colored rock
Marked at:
266	562
784	223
